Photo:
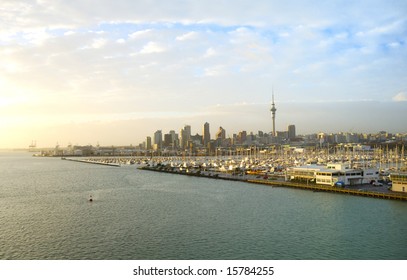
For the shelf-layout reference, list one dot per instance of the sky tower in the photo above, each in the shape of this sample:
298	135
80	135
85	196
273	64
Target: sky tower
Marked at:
273	114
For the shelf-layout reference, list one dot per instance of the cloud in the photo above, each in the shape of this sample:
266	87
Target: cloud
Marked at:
400	97
94	57
209	52
216	70
187	36
70	32
139	34
152	47
98	43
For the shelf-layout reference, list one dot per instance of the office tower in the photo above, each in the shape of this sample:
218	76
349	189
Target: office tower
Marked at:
148	143
241	137
187	129
206	136
221	134
174	138
291	132
158	138
185	135
168	140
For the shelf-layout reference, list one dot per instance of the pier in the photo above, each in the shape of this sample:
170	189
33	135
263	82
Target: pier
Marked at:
99	162
321	188
280	183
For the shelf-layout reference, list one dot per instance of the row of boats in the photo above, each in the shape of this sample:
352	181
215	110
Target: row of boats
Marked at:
276	164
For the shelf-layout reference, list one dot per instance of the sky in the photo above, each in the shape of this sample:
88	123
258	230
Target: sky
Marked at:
113	72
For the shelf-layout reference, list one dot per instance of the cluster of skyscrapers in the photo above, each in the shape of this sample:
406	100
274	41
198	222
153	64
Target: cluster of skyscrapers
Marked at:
205	144
185	141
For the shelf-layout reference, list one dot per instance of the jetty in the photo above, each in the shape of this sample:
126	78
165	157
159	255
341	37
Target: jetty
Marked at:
100	162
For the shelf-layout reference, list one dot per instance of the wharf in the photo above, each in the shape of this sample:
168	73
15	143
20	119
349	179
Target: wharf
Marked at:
280	183
322	188
92	162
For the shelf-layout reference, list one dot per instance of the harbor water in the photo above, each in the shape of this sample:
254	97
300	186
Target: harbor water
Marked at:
45	214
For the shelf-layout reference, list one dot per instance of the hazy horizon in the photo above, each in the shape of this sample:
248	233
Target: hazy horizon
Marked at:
88	72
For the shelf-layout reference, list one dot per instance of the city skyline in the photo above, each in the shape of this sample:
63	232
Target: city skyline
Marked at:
114	72
163	140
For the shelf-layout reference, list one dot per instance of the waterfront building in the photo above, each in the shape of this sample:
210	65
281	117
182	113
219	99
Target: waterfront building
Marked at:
343	174
399	182
303	173
206	136
333	173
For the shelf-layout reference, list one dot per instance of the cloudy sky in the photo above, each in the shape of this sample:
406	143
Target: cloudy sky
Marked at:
113	72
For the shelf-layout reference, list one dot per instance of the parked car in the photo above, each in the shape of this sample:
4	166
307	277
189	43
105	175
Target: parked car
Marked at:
377	184
339	184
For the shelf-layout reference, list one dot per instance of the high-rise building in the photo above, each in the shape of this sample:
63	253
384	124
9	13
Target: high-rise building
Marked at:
158	138
291	132
185	136
182	141
187	129
168	140
148	143
173	135
174	138
273	115
221	134
220	137
206	136
241	137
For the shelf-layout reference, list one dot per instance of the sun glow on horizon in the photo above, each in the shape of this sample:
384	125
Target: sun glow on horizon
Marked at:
64	72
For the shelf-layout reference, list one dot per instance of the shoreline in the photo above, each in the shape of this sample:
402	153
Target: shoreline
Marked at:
280	183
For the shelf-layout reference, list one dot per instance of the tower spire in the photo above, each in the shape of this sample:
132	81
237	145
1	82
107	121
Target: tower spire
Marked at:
273	113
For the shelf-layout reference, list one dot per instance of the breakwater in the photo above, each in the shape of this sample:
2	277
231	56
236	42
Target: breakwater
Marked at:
276	182
100	162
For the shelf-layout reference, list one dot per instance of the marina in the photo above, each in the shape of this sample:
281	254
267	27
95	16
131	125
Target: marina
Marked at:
137	214
361	191
359	173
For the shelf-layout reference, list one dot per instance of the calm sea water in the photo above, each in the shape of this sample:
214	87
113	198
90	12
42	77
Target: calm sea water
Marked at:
44	214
